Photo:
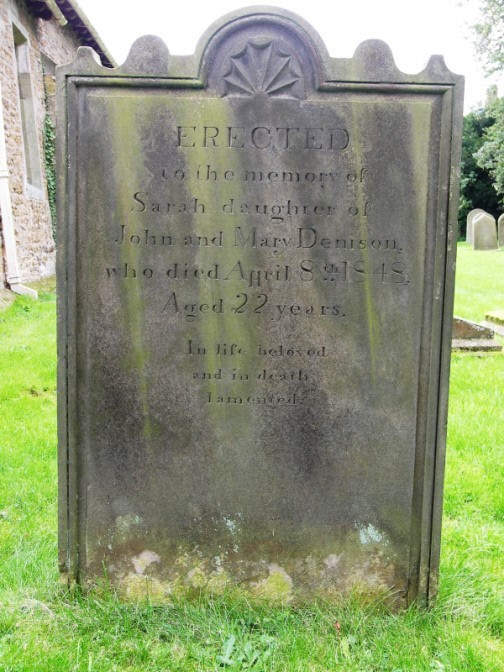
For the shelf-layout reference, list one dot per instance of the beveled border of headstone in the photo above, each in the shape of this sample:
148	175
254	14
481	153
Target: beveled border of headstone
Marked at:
500	231
470	223
372	69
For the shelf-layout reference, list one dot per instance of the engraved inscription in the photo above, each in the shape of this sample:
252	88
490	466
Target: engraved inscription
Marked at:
286	240
258	137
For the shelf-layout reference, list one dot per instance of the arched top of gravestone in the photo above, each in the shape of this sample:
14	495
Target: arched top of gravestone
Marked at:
485	232
471	216
484	216
261	50
500	231
264	50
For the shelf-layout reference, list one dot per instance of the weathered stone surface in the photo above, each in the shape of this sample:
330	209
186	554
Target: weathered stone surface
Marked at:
500	231
466	329
470	223
467	335
476	345
256	279
484	232
30	209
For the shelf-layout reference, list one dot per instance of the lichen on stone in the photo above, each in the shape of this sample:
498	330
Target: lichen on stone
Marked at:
276	587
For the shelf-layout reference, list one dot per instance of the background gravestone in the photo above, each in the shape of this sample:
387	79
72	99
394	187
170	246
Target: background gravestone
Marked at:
500	231
256	281
470	223
484	232
467	335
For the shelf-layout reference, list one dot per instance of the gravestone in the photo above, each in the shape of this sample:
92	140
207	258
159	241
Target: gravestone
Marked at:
500	231
470	223
484	232
256	277
467	335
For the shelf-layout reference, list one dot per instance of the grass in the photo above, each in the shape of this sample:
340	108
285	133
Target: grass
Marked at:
46	628
479	282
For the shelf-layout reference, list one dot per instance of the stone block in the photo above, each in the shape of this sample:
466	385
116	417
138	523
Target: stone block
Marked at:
465	329
467	335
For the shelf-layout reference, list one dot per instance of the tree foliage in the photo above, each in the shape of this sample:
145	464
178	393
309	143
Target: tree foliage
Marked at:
476	183
490	156
482	179
489	35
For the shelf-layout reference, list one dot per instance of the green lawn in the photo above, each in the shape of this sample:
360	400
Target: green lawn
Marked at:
479	282
45	628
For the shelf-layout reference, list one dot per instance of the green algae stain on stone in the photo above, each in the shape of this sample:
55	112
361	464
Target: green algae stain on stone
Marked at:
359	120
229	326
125	133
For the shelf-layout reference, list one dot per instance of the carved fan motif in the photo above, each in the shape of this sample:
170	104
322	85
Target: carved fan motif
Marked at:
262	67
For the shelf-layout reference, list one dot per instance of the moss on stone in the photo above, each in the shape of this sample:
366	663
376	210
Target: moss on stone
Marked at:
275	588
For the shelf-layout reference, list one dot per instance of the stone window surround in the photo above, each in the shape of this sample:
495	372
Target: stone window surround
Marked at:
33	190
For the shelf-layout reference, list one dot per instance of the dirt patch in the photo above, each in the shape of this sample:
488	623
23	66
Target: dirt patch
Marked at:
45	286
6	298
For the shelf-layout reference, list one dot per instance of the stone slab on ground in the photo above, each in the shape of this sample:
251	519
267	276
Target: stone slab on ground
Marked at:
466	330
473	337
475	345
